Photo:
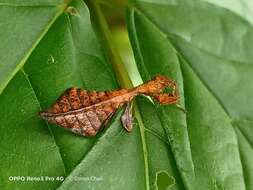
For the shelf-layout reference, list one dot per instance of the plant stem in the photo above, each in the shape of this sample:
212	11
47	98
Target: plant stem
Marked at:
103	31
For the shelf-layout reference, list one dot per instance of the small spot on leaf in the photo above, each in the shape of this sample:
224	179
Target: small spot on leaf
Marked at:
73	11
50	59
164	181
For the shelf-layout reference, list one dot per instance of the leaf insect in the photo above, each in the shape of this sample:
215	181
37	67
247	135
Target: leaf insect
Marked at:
86	112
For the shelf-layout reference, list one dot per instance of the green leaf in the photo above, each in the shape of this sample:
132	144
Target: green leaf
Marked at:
50	45
206	49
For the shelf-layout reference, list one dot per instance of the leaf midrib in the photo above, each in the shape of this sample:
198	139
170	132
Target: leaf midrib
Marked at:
144	145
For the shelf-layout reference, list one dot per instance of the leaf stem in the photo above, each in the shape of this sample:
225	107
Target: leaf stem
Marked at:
99	22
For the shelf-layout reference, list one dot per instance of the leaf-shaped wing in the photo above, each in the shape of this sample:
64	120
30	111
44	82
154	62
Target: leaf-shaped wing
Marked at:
84	112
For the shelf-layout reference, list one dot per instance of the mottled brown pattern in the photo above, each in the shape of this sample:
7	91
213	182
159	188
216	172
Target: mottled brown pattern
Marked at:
85	112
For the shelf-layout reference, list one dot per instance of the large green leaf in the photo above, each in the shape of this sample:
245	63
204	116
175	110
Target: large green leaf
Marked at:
207	50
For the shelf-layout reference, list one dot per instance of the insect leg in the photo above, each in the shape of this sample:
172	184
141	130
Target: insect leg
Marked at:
127	117
166	98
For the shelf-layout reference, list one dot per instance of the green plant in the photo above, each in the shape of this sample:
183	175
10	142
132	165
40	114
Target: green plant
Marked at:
206	46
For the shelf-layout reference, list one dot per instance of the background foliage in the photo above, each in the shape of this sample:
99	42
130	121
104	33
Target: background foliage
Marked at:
205	45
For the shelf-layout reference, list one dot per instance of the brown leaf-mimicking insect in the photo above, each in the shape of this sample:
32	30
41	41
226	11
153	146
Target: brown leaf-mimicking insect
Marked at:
85	112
